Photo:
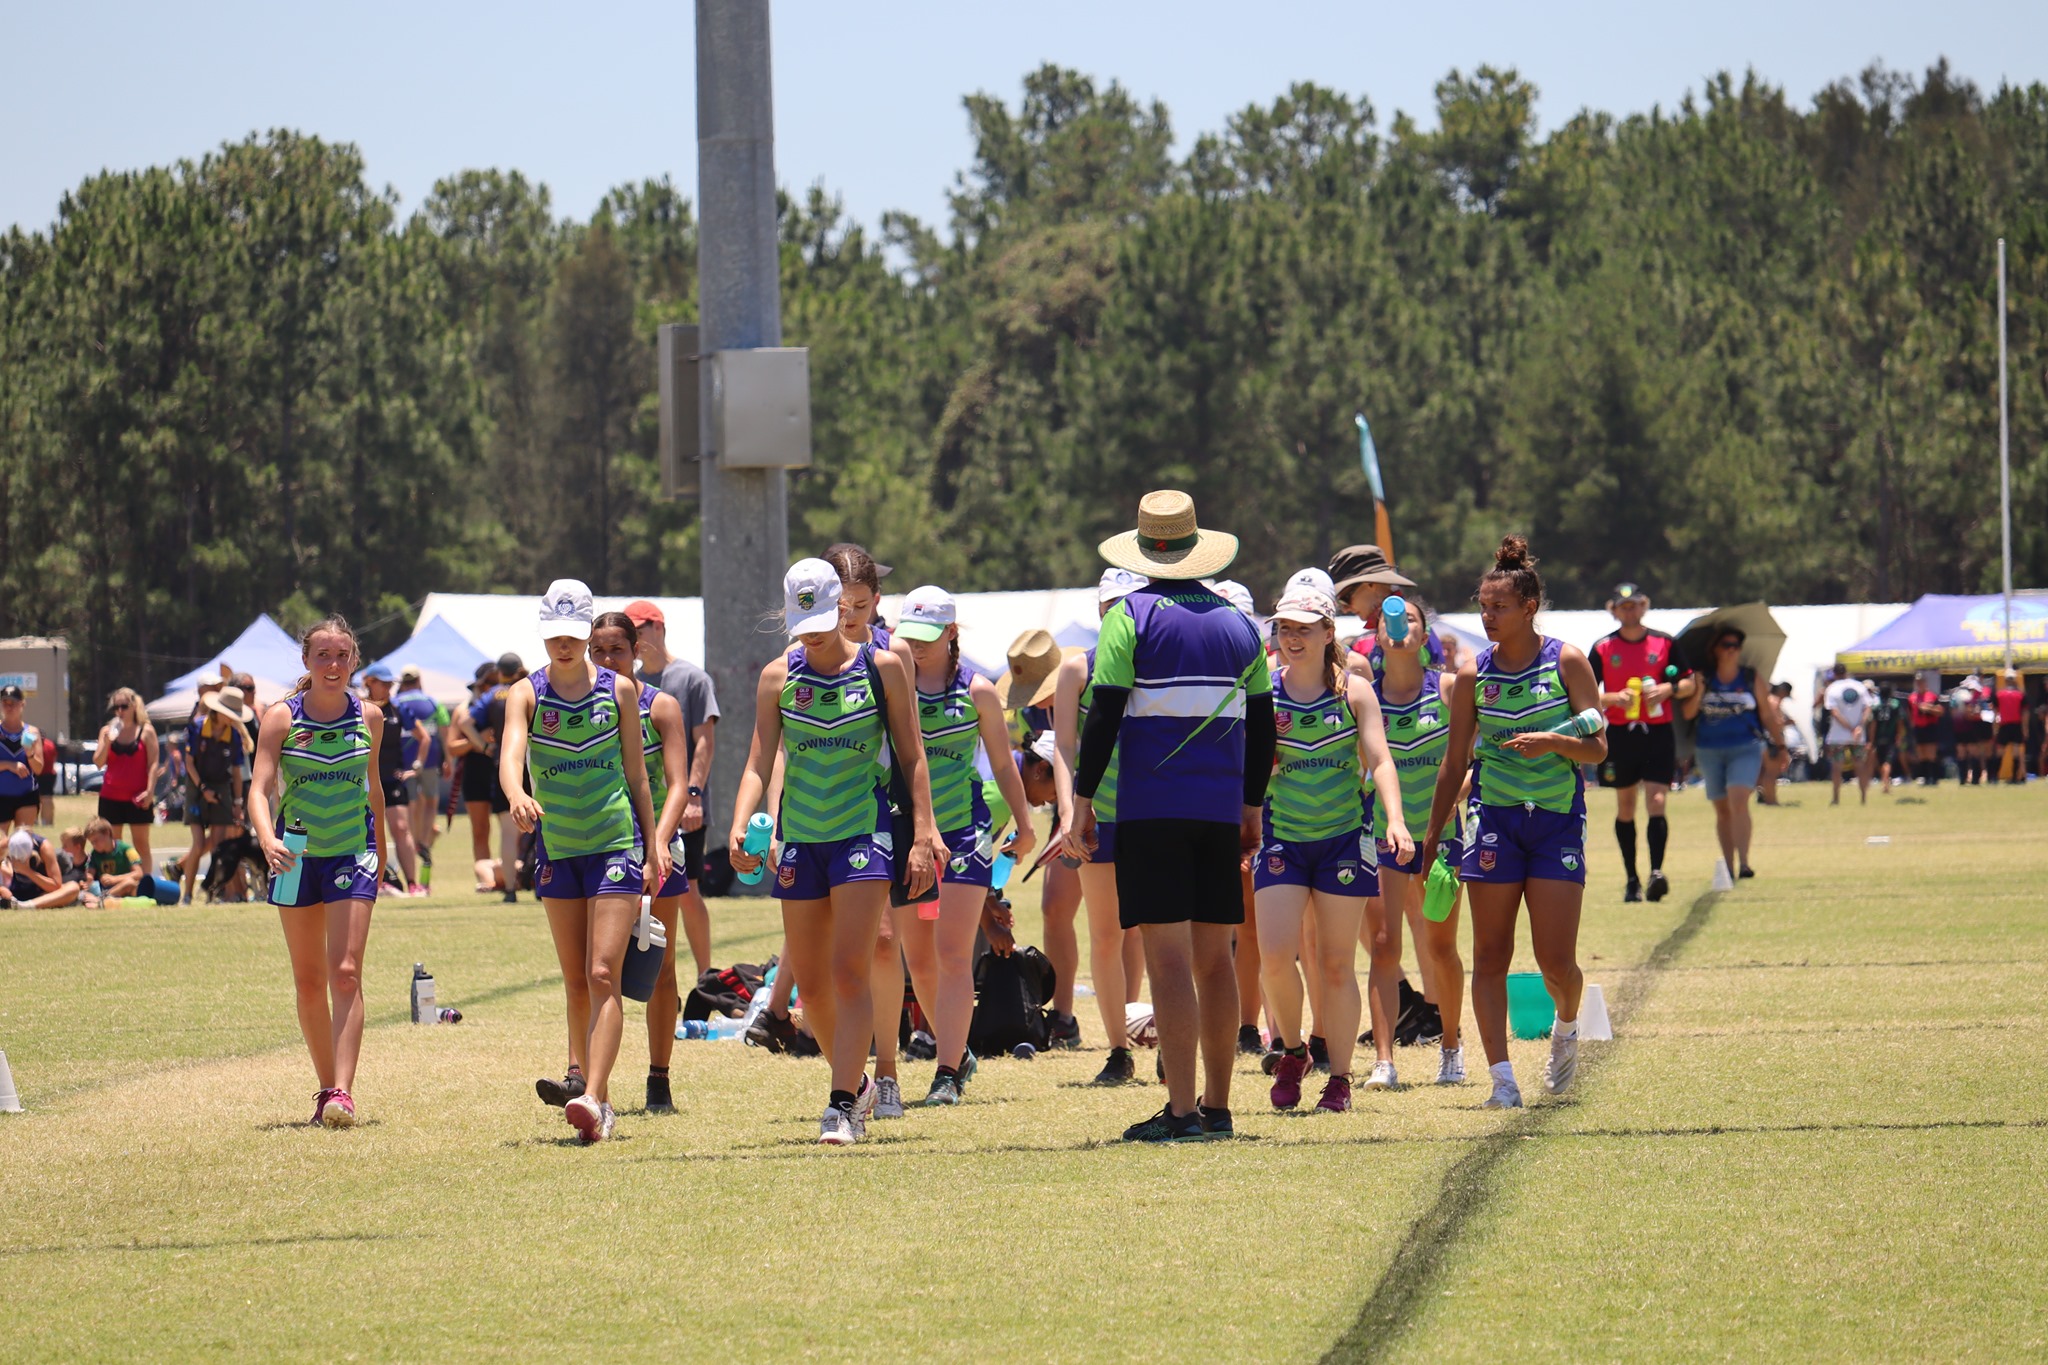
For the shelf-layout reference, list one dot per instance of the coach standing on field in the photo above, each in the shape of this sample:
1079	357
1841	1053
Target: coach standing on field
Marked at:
1642	747
1183	697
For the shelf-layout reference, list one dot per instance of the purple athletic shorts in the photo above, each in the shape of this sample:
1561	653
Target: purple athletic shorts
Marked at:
808	872
342	877
619	872
1340	866
1515	843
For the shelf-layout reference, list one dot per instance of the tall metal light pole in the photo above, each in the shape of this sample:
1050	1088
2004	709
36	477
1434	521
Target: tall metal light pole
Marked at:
745	511
2004	457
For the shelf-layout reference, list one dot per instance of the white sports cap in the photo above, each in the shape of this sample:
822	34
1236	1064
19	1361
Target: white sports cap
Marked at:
810	597
1305	605
1311	578
1235	593
566	609
21	845
1116	585
925	613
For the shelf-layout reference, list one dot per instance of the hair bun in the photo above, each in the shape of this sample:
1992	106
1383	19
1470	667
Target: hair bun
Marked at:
1513	554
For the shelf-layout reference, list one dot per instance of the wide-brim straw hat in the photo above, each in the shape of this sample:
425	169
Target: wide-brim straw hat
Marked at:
1035	659
229	702
1168	543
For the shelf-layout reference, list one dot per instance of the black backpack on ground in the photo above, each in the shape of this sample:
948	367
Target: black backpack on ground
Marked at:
1010	994
726	990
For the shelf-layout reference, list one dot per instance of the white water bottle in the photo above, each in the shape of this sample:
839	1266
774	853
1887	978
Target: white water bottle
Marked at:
423	1011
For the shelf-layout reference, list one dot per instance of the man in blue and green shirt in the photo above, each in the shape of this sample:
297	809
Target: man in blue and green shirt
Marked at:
1184	702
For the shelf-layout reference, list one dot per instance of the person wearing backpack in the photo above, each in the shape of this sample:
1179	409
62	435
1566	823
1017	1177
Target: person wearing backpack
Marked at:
822	706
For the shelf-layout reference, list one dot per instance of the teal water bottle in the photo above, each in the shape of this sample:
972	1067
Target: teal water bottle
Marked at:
760	835
999	871
1587	722
284	888
1394	611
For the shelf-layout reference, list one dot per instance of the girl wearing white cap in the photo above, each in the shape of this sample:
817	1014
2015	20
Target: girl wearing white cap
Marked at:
957	712
1317	852
822	706
1116	956
315	748
570	727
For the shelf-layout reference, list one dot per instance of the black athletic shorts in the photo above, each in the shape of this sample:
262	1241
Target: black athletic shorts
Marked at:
1170	871
480	782
397	791
118	813
2009	732
1646	754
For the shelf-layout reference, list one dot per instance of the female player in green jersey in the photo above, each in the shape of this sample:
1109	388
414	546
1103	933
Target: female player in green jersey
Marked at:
1116	955
316	746
614	642
1525	832
1415	706
957	712
1317	853
572	727
822	706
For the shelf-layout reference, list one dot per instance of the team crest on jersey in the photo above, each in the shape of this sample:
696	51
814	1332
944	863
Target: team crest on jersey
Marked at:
854	697
1487	859
1276	864
858	859
616	872
804	697
1332	719
1427	718
956	708
600	717
1346	876
959	866
1283	722
1570	859
1489	691
341	878
550	721
806	598
785	876
1541	689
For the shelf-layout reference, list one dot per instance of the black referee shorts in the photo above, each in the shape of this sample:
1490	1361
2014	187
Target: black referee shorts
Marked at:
1172	871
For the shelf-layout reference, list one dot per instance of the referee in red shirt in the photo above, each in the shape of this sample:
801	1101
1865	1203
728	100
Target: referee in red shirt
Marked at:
1642	750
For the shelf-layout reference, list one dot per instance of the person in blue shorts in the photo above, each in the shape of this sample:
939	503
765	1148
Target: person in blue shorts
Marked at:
1525	831
1735	709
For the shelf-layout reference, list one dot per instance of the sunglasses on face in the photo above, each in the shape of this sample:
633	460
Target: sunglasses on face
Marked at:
1728	644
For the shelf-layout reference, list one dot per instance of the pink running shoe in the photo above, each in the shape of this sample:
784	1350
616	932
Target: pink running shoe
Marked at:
586	1116
1287	1074
319	1103
338	1110
1336	1096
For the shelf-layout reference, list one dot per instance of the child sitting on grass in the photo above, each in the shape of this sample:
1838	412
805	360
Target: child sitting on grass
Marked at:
114	863
73	865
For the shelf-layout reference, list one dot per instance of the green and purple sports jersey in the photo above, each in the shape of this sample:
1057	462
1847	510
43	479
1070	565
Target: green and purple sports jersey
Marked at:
324	772
1418	736
651	747
952	731
1105	791
1514	704
1189	660
1316	791
837	763
578	772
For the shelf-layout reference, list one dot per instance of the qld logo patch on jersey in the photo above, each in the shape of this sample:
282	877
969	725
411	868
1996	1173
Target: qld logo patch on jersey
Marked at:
805	695
1276	864
785	876
1487	859
1283	722
550	721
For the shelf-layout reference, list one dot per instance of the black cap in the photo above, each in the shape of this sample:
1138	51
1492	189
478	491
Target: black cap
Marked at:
1626	592
12	692
485	669
510	665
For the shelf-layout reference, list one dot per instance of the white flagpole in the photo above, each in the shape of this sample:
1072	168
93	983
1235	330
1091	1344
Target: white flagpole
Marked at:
2004	456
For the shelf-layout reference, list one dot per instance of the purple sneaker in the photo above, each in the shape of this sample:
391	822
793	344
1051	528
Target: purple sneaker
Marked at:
1336	1096
1287	1074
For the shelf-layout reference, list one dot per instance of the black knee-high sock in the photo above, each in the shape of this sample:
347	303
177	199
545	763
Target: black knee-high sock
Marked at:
1659	832
1625	835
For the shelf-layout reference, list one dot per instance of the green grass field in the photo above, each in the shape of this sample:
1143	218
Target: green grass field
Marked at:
1821	1132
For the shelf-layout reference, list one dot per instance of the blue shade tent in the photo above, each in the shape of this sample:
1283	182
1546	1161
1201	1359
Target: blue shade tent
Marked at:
445	658
1957	635
263	651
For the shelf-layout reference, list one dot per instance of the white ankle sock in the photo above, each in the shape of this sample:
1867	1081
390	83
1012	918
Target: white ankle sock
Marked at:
1503	1073
1565	1028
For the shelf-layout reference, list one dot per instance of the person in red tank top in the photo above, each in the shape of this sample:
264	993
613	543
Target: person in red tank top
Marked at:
1642	748
2011	700
128	753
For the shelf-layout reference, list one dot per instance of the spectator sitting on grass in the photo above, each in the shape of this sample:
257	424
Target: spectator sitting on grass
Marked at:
73	865
115	865
31	877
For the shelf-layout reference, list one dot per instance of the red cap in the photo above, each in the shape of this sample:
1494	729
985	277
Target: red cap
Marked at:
643	611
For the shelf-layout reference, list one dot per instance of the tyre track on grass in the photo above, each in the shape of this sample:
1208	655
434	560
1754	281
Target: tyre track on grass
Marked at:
1426	1248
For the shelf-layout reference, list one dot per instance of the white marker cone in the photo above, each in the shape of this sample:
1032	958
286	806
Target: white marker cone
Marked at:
1722	881
1594	1025
10	1098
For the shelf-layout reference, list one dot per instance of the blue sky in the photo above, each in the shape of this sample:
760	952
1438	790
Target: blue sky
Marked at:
867	98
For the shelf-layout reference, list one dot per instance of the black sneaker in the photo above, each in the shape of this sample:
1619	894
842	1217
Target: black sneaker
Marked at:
1430	1025
1248	1041
1215	1122
922	1047
559	1093
1747	872
804	1045
1118	1070
1634	892
1659	887
659	1101
1365	1038
772	1031
1166	1126
1419	1021
1065	1032
1318	1055
511	897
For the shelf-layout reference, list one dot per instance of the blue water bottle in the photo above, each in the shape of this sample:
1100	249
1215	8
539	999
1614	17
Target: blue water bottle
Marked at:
284	888
999	871
760	834
1395	612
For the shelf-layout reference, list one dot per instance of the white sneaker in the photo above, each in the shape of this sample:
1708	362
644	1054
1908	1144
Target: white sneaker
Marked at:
1450	1067
1563	1064
1504	1096
591	1119
836	1128
1382	1077
888	1098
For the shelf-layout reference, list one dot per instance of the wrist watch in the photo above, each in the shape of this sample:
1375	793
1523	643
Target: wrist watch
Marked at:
696	791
